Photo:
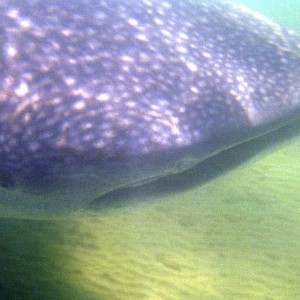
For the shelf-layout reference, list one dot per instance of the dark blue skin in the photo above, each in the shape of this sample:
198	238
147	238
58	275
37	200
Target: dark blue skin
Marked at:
98	95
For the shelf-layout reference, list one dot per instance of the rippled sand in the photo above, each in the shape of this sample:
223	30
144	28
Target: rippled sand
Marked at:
236	237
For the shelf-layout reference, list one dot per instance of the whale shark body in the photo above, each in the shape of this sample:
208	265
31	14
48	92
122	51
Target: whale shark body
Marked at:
96	95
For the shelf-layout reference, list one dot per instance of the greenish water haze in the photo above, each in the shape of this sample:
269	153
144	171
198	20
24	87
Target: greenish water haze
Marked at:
284	12
236	237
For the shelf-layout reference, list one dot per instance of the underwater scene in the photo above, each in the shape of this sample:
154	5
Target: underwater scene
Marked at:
229	229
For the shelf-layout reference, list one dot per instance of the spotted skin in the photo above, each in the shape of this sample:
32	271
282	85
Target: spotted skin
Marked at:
96	95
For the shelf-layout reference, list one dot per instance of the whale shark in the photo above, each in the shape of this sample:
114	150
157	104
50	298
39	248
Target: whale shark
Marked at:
98	95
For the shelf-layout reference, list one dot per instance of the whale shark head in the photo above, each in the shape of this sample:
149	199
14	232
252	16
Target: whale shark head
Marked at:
99	95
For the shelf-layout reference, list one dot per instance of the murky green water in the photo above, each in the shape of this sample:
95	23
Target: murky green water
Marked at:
236	237
283	12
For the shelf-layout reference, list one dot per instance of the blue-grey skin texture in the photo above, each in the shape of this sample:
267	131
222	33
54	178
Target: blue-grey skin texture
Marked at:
101	94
